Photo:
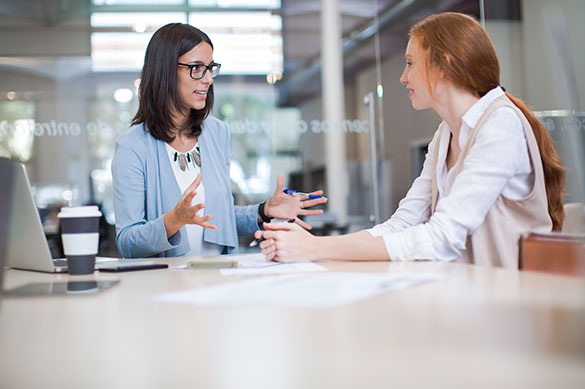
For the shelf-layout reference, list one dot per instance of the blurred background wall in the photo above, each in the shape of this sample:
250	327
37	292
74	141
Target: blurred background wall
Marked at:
69	72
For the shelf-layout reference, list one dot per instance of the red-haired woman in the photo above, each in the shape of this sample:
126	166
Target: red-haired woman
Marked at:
491	172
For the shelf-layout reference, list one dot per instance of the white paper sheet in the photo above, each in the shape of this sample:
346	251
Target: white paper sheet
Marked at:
299	290
256	264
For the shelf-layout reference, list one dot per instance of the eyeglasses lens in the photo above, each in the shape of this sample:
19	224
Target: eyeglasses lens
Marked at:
198	72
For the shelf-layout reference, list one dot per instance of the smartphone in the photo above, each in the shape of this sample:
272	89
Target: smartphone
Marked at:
131	266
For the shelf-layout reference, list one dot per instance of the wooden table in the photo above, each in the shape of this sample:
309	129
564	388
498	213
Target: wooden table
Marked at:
476	327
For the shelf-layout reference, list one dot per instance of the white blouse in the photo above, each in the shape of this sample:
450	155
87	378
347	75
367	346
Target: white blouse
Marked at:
194	232
498	163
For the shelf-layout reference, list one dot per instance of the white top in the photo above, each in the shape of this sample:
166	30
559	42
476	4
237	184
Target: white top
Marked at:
194	232
498	163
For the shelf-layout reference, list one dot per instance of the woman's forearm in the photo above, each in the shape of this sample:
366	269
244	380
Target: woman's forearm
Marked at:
143	239
171	225
359	246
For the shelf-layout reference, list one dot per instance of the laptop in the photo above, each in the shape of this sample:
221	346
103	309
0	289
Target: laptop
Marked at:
27	246
6	174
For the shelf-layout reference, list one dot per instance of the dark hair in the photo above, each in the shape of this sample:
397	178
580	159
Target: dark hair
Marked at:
458	45
158	93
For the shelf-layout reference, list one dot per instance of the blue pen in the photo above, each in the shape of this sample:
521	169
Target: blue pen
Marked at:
293	192
256	242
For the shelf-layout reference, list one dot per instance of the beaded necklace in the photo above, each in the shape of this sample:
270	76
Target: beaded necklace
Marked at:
184	159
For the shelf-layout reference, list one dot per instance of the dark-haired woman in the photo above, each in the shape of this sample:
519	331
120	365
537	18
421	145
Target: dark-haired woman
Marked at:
491	172
171	170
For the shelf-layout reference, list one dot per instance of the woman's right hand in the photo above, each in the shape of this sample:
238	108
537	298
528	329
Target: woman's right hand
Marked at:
287	242
185	213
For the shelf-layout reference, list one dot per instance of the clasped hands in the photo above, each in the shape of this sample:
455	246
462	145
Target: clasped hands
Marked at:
279	206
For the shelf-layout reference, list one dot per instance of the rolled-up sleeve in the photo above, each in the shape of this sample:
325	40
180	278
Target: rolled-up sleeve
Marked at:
246	219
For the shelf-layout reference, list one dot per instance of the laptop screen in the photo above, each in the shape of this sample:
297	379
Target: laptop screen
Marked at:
27	246
6	190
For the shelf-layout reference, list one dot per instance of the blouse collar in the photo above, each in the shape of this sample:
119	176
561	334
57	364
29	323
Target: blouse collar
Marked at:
471	117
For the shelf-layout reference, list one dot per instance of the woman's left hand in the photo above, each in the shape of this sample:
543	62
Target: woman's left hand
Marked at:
287	242
286	207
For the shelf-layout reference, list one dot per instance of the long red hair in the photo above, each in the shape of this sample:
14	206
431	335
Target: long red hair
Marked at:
460	47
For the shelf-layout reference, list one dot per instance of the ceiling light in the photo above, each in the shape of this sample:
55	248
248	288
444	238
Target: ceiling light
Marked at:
123	95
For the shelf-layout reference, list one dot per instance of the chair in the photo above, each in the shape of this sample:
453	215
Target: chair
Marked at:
558	253
555	253
574	219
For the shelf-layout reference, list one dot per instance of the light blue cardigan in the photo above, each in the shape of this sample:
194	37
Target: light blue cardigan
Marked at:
145	189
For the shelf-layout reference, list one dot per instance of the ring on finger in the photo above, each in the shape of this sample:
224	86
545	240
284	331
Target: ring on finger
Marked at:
302	205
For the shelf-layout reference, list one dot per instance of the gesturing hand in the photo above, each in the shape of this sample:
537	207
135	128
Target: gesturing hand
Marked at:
283	206
185	213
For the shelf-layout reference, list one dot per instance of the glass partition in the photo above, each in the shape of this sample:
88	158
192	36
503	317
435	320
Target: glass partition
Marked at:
307	95
540	48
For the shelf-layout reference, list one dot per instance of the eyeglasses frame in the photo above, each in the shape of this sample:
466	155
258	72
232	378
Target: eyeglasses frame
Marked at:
207	67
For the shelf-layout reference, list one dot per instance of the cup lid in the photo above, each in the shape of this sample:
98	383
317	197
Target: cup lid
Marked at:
84	211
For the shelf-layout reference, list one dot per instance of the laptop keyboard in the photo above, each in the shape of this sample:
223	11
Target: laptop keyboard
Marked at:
60	262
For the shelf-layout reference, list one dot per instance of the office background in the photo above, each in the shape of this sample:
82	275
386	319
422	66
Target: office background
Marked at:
307	87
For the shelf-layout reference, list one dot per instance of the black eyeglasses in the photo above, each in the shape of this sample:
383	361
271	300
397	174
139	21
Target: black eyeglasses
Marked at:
197	71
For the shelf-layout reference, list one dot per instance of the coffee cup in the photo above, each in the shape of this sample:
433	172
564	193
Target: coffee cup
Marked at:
80	236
